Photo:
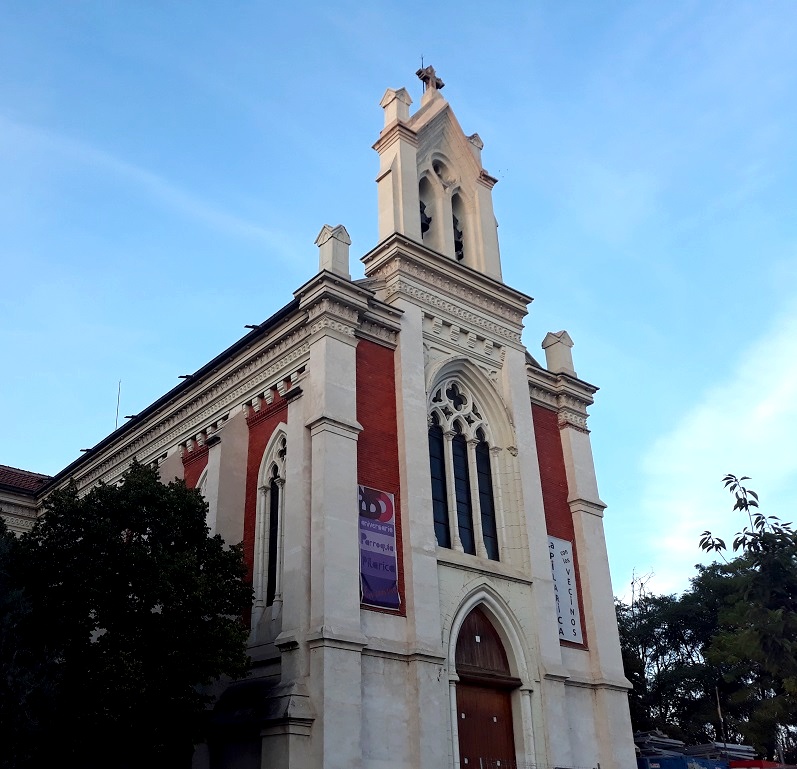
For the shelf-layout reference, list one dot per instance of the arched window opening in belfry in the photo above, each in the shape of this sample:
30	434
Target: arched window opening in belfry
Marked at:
425	196
458	220
267	574
463	497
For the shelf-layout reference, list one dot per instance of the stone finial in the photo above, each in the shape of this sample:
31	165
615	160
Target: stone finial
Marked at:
558	352
396	105
333	250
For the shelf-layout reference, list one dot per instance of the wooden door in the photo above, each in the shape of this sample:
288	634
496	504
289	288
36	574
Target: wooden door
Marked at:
484	719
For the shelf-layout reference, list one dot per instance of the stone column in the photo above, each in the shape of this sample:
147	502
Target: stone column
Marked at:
476	507
451	494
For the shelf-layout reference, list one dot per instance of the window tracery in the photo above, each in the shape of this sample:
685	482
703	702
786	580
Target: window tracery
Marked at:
463	499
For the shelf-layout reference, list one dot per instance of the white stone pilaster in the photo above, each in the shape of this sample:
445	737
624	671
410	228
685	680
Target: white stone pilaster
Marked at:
397	183
335	640
490	256
430	718
226	478
555	742
172	466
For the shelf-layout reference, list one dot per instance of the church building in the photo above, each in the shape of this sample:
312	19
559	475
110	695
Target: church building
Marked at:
415	492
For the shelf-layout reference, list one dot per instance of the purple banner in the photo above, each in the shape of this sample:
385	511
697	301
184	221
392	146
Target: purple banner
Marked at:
378	569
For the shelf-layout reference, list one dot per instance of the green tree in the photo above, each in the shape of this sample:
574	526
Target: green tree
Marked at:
757	638
125	609
664	640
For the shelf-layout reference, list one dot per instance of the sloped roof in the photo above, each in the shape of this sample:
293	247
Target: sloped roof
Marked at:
23	481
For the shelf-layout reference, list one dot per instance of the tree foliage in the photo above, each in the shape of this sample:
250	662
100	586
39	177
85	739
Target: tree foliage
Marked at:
732	637
118	607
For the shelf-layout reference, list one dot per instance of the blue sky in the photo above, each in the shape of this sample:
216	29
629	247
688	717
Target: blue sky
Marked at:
166	167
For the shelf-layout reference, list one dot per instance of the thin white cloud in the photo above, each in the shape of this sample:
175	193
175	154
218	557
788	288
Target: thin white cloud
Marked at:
745	425
16	134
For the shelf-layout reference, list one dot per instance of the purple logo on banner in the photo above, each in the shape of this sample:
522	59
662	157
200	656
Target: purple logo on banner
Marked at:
378	571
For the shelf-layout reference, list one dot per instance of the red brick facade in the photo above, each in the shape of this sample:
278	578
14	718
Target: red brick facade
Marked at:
377	444
553	477
194	464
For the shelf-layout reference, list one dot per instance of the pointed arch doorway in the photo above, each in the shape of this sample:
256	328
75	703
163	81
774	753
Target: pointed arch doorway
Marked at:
484	696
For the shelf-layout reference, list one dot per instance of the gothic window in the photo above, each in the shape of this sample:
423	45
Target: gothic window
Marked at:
269	526
458	218
463	501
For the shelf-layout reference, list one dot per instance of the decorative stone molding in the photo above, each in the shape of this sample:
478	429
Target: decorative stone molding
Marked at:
473	345
17	523
487	180
565	394
571	418
18	517
378	333
332	307
455	288
243	386
393	133
255	417
438	302
329	323
542	396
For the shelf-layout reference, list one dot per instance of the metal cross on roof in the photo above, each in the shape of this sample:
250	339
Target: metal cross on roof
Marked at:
430	79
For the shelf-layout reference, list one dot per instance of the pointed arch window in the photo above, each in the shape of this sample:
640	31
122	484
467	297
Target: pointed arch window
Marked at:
458	221
425	196
463	500
268	535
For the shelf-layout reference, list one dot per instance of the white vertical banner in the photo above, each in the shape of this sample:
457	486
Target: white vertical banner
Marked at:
563	572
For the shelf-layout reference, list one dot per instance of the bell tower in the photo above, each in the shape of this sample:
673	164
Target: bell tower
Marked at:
431	186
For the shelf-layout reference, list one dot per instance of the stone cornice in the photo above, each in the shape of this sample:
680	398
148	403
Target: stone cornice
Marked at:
19	517
587	506
565	394
393	133
412	269
448	337
380	323
487	180
252	375
401	255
